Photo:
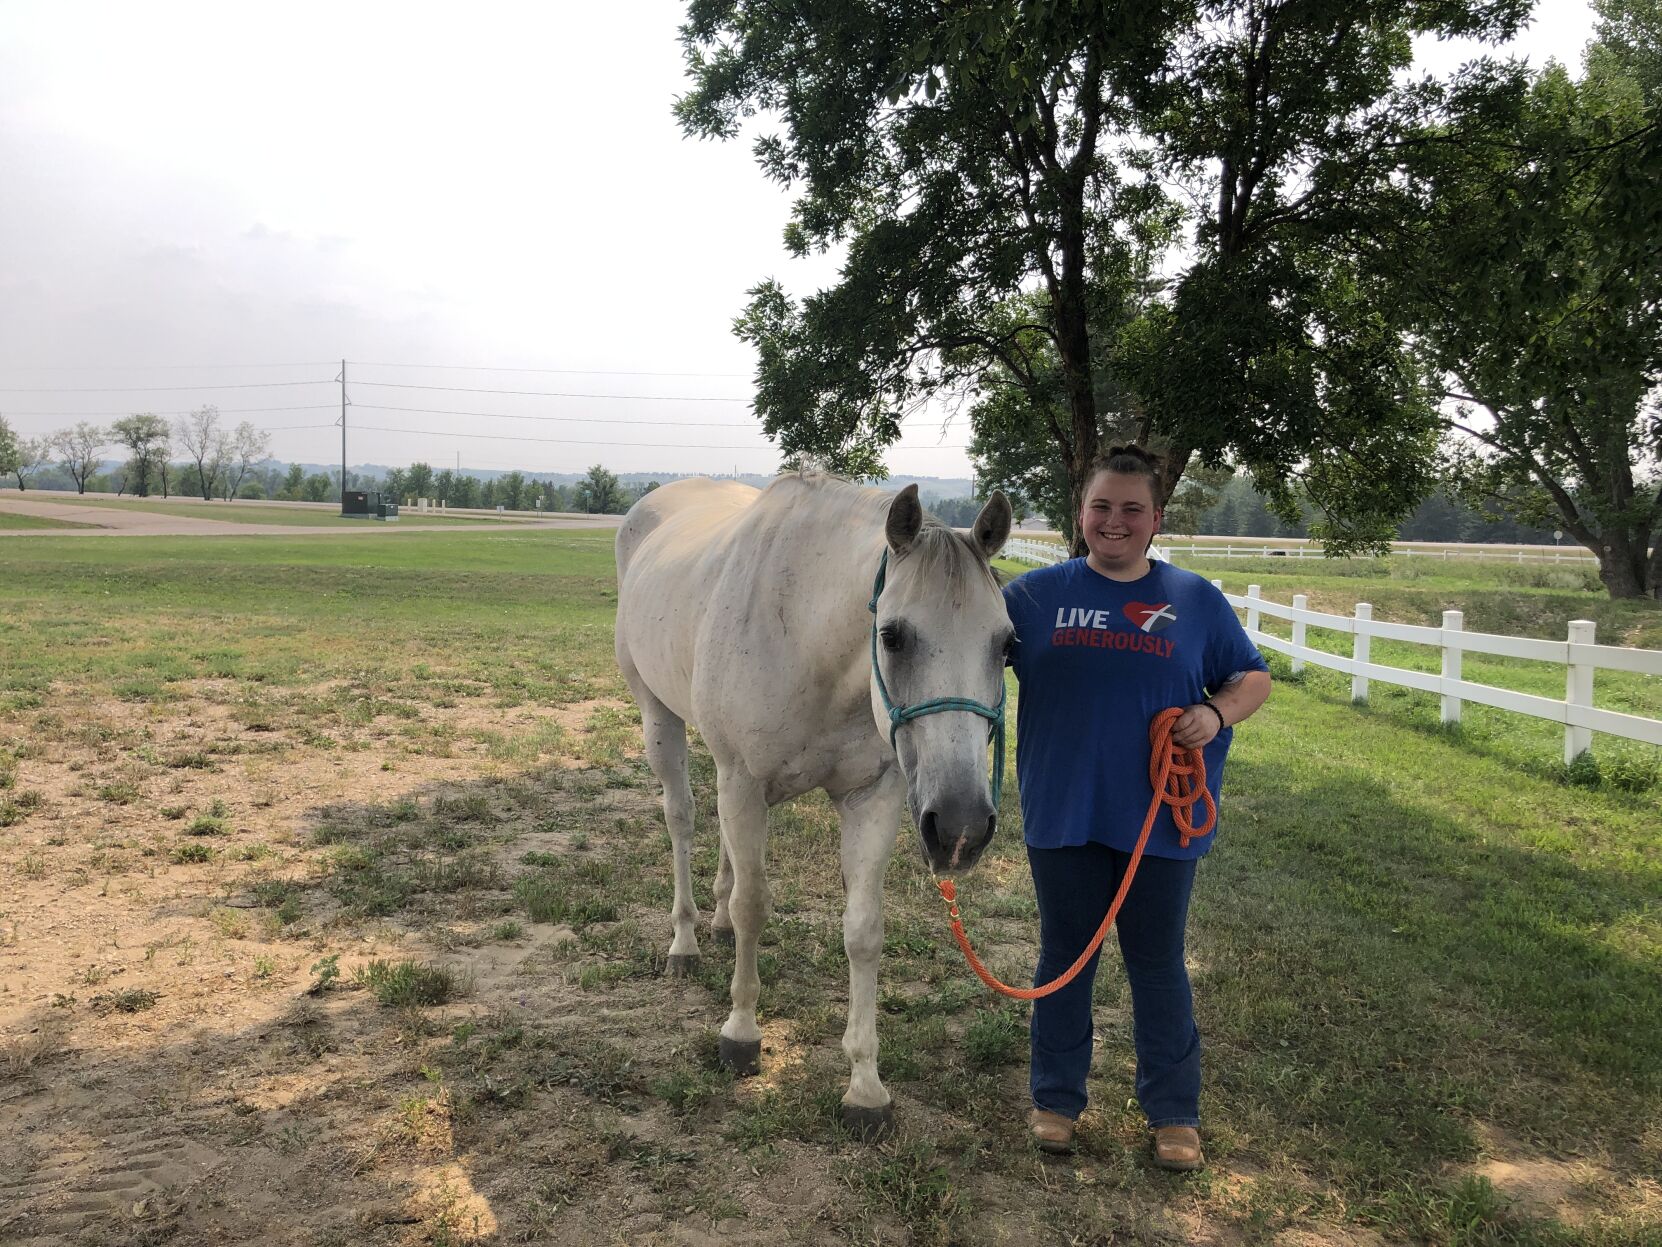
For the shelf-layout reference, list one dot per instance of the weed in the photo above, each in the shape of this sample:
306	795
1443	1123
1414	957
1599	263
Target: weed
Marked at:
231	923
133	1000
995	1039
324	972
506	932
409	983
264	967
186	853
16	809
207	825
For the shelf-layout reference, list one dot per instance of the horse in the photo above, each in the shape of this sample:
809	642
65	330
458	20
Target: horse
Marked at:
784	624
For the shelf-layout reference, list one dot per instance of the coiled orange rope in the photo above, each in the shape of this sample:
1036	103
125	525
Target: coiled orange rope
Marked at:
1179	779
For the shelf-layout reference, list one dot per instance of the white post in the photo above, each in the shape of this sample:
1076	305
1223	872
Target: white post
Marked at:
1578	691
1454	622
1299	603
1359	651
1252	609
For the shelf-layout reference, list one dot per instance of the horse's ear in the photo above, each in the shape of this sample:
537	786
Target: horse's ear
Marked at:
992	526
905	518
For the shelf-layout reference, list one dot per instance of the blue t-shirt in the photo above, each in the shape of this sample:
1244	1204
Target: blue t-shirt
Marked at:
1097	659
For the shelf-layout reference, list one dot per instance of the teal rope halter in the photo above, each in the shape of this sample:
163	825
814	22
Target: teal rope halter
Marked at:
905	714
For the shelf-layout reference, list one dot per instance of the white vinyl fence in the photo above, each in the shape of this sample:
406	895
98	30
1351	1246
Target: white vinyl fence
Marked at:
1577	654
1033	550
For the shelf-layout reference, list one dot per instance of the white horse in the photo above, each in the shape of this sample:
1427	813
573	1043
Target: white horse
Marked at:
753	616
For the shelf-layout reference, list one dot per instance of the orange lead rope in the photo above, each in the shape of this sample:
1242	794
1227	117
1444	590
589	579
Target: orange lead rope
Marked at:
1179	779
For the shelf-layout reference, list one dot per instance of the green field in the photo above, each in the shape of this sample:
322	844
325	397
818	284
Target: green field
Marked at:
10	520
1425	962
248	512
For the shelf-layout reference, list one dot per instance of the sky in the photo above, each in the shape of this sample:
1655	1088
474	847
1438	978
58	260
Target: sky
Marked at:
488	212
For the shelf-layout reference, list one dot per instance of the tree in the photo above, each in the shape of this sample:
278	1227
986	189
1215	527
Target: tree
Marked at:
9	450
510	491
1541	306
599	493
994	171
145	437
79	452
396	484
244	448
418	480
317	487
293	483
200	435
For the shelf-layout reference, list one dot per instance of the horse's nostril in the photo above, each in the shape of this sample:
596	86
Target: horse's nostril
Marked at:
927	827
992	825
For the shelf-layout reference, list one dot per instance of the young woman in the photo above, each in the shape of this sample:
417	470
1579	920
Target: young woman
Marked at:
1103	644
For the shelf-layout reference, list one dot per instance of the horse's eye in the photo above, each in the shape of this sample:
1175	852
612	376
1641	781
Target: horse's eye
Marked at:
891	637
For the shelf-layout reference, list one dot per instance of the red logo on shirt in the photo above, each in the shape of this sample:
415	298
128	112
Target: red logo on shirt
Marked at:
1149	618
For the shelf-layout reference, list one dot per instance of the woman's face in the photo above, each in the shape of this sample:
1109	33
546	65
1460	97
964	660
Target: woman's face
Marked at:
1119	520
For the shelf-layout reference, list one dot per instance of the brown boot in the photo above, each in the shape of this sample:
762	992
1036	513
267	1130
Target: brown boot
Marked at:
1051	1131
1178	1148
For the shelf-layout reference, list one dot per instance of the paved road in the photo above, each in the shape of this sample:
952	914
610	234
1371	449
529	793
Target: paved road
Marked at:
132	522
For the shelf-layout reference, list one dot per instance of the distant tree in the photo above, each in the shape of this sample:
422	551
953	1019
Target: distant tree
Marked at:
8	447
294	484
418	480
253	490
465	492
145	435
29	457
1199	491
600	494
317	487
200	436
78	451
396	484
245	447
444	487
510	491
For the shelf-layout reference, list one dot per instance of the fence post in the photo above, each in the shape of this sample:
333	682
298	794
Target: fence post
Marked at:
1252	608
1578	691
1453	622
1299	603
1359	651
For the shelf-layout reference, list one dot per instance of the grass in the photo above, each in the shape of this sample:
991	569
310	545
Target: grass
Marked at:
249	511
1412	949
11	521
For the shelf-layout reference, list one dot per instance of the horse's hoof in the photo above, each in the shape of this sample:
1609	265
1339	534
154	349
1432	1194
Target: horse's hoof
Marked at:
722	935
872	1125
682	965
742	1056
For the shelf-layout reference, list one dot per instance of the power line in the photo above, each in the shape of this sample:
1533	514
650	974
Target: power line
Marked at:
143	389
566	441
575	372
324	363
222	411
465	389
502	415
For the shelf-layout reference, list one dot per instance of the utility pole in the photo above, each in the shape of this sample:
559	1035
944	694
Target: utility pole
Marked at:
343	435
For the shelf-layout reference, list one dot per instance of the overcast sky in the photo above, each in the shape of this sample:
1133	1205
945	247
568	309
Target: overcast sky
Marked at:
218	198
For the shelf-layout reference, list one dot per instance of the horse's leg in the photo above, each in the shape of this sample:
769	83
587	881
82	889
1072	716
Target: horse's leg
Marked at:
666	752
721	922
869	817
744	827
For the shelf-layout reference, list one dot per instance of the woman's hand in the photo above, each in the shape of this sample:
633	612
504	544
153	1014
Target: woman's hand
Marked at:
1197	726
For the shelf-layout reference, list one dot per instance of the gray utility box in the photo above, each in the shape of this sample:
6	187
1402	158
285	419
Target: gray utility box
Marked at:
368	504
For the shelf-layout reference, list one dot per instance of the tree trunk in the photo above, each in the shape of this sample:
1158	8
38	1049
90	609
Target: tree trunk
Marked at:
1653	572
1622	565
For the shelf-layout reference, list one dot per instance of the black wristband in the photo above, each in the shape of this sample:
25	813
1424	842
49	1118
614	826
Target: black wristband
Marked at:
1208	704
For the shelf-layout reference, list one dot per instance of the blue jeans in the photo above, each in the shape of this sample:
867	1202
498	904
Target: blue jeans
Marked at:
1075	886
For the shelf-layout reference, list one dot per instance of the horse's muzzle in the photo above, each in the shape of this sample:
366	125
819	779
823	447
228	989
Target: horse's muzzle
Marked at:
954	841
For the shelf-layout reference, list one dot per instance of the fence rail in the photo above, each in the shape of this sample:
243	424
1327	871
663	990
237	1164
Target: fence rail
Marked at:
1036	550
1579	655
